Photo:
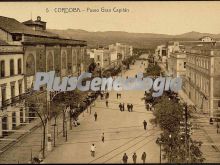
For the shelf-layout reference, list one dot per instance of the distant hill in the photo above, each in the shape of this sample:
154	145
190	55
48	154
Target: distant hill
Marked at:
142	40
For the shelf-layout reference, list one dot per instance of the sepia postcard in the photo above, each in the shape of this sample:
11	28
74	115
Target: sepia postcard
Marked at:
88	82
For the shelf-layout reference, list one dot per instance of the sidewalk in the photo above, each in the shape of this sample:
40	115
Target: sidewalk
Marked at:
12	138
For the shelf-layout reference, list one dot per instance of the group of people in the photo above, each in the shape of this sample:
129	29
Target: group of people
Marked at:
149	107
129	107
134	158
102	94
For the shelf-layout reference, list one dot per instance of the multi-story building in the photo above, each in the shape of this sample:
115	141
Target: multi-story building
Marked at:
123	51
11	86
39	51
176	60
177	64
102	57
161	53
203	77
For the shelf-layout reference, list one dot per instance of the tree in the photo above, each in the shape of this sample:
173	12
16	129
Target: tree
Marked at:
168	114
38	103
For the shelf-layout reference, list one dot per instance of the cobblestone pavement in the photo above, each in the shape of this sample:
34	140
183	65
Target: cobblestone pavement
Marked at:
123	131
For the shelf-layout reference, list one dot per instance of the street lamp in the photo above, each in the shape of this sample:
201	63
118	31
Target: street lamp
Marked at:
170	136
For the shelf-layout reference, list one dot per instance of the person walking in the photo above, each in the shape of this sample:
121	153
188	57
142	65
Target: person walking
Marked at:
117	95
145	125
131	107
93	147
134	157
103	137
143	157
123	107
107	95
106	103
125	158
120	107
128	107
95	116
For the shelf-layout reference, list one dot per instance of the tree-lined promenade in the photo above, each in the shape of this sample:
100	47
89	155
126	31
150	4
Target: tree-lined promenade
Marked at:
173	117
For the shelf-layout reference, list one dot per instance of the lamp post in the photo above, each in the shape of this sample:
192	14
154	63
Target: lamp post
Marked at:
66	128
170	136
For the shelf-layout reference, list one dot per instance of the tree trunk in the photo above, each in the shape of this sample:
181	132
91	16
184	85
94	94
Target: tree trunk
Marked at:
63	123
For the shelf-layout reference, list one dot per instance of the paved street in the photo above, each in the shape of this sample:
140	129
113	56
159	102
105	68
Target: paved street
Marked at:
124	132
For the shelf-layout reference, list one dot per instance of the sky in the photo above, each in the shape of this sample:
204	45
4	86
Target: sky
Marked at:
143	17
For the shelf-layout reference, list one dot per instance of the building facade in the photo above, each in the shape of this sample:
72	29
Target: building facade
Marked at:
102	57
123	51
30	48
177	64
11	87
203	78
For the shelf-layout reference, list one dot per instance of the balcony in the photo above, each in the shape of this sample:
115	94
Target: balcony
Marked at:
13	101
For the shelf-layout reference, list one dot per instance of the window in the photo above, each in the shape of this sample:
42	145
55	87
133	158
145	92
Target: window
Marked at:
11	67
12	92
19	66
3	90
98	57
17	37
20	88
2	69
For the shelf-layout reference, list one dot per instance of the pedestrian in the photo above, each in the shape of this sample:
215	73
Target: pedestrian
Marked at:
143	157
120	107
123	107
106	103
107	95
117	95
102	96
103	137
145	125
93	150
134	157
128	107
95	115
131	107
148	106
125	158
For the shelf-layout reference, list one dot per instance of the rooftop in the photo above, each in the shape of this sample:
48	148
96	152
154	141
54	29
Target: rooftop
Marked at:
13	26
